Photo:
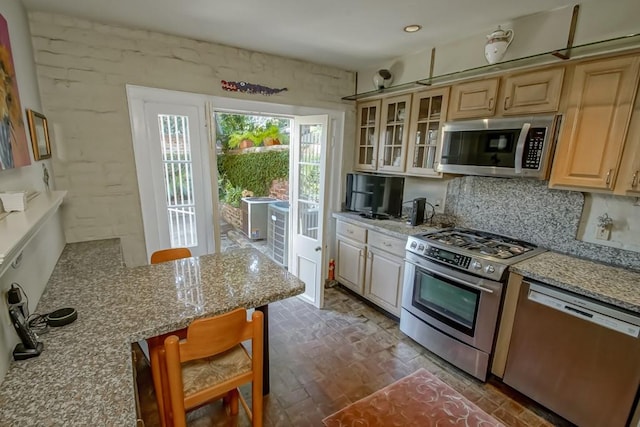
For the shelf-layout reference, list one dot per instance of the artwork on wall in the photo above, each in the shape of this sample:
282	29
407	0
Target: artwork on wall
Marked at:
249	88
14	149
39	131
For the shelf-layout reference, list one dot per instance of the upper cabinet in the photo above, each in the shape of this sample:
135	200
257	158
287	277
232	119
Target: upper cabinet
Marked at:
428	111
367	144
627	182
474	99
382	134
530	92
595	125
392	147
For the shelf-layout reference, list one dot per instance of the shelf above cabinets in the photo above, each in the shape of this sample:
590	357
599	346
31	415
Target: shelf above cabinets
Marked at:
614	45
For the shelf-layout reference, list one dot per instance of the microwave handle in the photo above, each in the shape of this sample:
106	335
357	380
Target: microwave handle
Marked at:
520	147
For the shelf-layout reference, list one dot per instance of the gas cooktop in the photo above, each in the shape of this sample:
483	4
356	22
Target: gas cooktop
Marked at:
479	252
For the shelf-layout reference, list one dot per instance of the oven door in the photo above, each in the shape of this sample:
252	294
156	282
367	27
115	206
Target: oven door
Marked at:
463	306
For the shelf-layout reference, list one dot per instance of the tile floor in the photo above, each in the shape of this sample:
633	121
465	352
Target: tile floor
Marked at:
323	360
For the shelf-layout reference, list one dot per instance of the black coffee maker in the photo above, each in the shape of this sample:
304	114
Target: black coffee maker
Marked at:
417	211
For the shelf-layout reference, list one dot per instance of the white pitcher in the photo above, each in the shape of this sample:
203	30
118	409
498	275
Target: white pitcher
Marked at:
497	44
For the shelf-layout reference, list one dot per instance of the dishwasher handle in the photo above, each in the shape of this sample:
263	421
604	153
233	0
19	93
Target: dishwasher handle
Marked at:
543	295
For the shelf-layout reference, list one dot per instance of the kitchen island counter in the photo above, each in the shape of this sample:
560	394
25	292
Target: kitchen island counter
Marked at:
613	285
85	375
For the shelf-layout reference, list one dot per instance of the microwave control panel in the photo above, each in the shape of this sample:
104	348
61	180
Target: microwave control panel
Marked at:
533	148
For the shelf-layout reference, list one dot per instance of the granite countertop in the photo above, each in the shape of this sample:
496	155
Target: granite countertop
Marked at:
84	375
613	285
393	227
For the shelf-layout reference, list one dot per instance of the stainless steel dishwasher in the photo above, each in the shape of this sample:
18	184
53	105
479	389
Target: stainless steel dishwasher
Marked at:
576	356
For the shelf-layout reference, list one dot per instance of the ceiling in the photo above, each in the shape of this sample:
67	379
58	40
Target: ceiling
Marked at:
349	34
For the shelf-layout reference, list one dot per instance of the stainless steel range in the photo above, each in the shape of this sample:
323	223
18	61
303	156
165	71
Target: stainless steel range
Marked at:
453	287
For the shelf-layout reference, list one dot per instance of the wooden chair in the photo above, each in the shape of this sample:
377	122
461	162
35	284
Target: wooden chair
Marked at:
151	348
212	363
165	255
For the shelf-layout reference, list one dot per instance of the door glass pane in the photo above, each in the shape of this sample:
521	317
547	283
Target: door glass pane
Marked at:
178	179
309	180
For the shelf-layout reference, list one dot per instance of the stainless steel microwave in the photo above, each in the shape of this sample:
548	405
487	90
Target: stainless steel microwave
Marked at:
508	147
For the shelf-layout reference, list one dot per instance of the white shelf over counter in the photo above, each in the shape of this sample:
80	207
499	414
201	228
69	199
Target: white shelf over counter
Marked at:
18	228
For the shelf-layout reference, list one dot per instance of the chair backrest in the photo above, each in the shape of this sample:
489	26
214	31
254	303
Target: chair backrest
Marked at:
170	255
209	337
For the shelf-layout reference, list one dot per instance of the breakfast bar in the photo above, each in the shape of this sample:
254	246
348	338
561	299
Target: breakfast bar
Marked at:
85	374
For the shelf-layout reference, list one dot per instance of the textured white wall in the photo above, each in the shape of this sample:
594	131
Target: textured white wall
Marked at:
41	254
82	71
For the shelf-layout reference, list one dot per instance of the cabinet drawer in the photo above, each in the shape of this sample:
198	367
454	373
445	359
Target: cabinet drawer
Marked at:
387	243
353	232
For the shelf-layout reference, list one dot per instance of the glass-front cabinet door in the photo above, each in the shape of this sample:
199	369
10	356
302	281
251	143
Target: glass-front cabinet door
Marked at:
367	143
425	134
393	133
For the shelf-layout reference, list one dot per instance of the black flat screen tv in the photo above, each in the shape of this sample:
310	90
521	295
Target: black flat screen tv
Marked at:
374	196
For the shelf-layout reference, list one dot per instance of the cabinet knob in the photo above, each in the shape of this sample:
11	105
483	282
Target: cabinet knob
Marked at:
506	103
634	180
490	103
608	181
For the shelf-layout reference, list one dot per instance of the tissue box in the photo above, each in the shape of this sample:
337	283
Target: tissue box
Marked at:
14	201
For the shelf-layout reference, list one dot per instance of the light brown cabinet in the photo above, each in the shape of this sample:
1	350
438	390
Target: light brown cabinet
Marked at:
474	99
595	125
428	112
628	180
531	92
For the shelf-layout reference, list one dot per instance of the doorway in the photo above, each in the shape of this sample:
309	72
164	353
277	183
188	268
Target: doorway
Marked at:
253	153
328	125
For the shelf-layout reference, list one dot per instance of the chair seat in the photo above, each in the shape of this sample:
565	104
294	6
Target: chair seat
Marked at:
205	373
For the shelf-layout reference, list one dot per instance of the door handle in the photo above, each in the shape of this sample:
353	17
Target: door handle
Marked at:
318	249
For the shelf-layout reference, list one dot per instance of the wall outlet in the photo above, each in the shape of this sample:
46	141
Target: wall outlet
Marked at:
438	206
603	233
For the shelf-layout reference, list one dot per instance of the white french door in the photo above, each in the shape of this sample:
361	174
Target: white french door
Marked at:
308	172
170	145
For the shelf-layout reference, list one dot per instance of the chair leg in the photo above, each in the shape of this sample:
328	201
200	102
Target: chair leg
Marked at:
256	403
233	401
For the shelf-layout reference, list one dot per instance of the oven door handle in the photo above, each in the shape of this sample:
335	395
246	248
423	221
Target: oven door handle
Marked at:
455	279
522	139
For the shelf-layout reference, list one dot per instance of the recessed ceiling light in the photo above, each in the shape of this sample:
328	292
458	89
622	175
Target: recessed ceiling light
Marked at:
412	28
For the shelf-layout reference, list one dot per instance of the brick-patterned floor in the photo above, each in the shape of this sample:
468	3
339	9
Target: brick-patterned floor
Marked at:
323	360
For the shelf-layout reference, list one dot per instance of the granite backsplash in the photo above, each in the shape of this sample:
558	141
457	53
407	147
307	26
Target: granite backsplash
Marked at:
528	210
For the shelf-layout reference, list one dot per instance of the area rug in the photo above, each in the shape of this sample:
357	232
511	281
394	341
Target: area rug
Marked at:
419	399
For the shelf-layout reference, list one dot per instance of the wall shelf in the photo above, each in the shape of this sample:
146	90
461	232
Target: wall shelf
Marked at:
18	228
618	44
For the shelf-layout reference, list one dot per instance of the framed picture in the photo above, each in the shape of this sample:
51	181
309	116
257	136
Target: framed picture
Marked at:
39	135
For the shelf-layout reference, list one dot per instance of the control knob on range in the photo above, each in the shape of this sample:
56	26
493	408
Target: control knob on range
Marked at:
421	247
476	265
489	269
413	245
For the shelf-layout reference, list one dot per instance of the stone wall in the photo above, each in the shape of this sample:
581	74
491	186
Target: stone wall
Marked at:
83	68
232	215
279	189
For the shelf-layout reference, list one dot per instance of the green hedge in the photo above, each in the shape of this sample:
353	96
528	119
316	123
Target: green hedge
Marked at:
254	171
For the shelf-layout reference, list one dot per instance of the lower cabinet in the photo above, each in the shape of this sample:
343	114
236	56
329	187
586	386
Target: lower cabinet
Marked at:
383	280
350	264
371	264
